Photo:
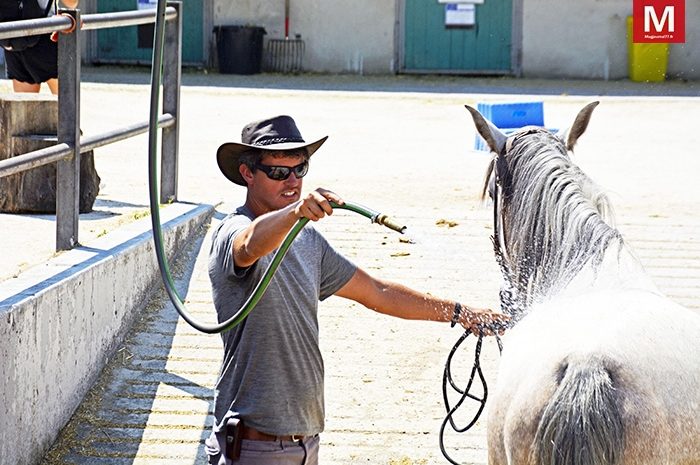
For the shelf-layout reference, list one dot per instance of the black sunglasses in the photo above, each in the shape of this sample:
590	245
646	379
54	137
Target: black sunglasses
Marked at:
280	173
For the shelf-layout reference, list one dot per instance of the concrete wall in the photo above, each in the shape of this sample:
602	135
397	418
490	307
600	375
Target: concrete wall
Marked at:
61	321
588	39
340	36
556	44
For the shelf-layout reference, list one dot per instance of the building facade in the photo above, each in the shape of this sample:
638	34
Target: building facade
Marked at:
584	39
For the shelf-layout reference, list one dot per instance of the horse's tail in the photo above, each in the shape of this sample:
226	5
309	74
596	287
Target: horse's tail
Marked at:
582	423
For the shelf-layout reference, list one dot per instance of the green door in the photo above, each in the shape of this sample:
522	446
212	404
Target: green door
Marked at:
134	44
457	38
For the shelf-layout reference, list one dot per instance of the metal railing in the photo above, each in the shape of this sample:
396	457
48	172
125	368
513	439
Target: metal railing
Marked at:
66	152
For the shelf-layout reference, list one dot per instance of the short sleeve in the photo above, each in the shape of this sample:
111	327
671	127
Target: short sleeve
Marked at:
221	253
336	270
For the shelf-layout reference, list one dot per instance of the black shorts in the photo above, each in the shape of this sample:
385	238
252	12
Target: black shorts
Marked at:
33	65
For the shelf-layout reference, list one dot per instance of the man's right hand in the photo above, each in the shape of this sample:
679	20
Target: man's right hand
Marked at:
268	231
317	204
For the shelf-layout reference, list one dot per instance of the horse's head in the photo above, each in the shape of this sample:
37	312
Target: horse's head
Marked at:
502	145
547	213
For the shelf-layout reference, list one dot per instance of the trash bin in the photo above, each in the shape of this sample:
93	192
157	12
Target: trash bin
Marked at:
647	61
239	49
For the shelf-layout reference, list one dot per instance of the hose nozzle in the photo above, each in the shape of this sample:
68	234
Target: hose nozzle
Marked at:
384	220
373	215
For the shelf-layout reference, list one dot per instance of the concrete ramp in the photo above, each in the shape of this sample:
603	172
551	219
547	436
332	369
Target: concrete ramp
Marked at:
61	321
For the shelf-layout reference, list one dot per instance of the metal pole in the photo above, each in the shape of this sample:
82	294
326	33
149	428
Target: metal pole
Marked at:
116	135
58	152
122	18
172	61
68	170
33	27
34	159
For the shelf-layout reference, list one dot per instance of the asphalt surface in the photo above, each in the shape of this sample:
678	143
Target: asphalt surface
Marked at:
400	145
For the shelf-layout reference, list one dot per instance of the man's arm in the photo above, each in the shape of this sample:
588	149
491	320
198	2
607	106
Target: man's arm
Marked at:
267	231
400	301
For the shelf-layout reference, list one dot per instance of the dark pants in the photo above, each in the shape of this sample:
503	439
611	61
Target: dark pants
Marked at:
33	65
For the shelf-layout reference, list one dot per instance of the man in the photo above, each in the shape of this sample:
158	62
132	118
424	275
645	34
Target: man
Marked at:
33	64
270	390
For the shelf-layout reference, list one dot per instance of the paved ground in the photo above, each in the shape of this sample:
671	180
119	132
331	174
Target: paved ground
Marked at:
402	146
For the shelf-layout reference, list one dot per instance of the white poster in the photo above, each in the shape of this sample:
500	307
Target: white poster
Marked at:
460	14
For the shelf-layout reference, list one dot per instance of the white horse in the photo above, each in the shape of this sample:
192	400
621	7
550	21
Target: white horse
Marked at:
600	368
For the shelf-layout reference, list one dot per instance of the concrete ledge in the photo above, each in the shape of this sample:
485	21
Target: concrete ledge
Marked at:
61	321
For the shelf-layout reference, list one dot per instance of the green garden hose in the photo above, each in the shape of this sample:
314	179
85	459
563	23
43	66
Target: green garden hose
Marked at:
168	282
261	287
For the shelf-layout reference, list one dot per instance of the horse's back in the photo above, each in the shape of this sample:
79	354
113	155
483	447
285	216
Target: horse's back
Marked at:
627	357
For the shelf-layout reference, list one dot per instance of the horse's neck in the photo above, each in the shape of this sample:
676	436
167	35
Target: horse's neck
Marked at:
620	269
588	254
541	262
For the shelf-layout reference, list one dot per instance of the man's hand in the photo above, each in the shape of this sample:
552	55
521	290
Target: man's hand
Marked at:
483	321
317	204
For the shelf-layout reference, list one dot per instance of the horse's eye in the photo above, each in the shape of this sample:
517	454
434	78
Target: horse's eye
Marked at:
492	186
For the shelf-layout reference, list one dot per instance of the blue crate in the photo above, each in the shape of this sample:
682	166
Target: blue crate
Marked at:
513	115
509	117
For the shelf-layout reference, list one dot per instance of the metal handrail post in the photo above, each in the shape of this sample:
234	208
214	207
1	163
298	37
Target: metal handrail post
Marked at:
172	61
68	170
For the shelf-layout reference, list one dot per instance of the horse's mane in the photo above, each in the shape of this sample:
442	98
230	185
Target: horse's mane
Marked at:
554	218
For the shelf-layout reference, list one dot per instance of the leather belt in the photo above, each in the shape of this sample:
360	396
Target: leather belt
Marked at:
255	435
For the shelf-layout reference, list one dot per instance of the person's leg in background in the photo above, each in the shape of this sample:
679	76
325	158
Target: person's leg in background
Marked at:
53	85
19	86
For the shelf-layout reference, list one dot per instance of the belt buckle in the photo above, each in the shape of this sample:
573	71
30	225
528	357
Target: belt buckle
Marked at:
296	437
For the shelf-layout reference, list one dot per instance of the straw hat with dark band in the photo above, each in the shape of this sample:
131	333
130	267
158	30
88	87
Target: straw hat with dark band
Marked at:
278	133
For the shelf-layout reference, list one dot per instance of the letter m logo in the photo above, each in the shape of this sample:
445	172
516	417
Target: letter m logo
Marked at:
658	21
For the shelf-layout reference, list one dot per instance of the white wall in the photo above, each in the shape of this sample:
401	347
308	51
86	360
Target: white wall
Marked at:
684	59
340	36
588	39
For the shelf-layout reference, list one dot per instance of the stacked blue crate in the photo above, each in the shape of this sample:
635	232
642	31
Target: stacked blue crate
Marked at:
509	117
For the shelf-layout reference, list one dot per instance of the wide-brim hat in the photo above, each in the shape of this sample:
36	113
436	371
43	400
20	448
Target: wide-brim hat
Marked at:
278	133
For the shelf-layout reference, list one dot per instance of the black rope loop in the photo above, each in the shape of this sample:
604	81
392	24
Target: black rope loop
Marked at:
447	379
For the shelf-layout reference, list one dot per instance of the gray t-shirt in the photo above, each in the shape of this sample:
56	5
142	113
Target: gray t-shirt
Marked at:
272	372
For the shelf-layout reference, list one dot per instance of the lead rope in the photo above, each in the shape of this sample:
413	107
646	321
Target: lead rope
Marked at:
464	393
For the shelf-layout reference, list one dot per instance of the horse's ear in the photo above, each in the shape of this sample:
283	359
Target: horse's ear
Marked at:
571	135
493	136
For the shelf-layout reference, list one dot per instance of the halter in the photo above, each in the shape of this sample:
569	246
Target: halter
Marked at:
498	238
501	171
